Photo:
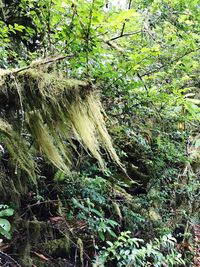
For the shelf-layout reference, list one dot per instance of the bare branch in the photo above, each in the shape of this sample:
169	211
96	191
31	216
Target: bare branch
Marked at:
114	46
124	35
42	62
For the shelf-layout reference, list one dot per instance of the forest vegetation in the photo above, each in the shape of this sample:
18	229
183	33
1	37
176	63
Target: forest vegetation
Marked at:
99	133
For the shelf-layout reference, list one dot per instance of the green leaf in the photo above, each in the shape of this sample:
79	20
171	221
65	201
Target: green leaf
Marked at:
101	235
7	212
109	243
5	233
111	222
112	233
197	143
18	27
3	206
96	212
194	100
4	224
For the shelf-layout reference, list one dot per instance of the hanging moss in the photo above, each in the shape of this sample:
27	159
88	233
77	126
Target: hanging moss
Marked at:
18	148
43	112
52	246
42	136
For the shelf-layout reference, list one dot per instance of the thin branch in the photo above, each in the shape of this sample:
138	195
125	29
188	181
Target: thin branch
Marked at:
71	24
88	36
120	77
49	24
123	27
8	260
124	24
170	63
147	92
114	46
129	5
42	62
124	35
81	23
3	13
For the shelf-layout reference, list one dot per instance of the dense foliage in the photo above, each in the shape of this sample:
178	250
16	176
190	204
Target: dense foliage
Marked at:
69	196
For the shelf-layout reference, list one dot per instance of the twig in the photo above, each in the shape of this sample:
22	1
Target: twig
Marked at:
124	35
88	36
3	13
114	46
147	92
129	5
124	24
8	259
119	78
170	63
41	256
48	24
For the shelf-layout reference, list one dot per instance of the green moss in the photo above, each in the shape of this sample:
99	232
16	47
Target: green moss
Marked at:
61	244
52	110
